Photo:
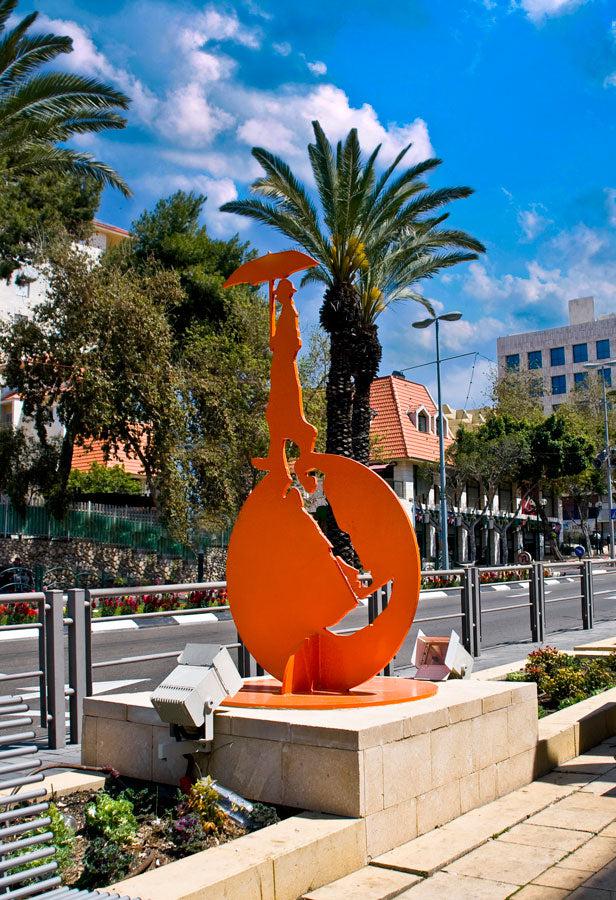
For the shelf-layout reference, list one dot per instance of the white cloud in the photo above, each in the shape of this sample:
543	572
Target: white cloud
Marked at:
187	117
86	59
281	122
317	67
537	10
532	223
283	48
213	25
202	65
576	263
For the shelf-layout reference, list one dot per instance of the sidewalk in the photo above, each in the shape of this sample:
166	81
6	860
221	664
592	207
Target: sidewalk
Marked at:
555	838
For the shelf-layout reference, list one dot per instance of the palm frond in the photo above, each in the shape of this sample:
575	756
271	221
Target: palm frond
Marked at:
64	161
325	175
21	55
282	221
7	8
59	94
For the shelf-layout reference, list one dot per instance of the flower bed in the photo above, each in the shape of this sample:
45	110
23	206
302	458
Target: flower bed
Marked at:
21	613
563	679
104	836
148	603
485	577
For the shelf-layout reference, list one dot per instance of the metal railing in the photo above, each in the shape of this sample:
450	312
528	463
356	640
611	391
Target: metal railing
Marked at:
65	674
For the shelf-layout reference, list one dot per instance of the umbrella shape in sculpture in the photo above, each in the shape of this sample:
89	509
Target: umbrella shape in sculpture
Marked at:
268	268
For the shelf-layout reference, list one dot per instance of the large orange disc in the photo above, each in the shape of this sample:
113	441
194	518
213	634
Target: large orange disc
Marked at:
285	584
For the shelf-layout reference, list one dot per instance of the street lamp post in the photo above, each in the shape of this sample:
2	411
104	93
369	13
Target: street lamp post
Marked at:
425	323
602	366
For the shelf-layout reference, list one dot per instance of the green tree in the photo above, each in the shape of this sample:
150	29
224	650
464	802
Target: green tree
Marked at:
96	354
41	110
27	469
220	353
101	479
374	237
172	237
38	210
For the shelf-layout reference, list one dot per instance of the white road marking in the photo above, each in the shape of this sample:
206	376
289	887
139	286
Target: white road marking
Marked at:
196	617
122	625
439	595
19	634
499	587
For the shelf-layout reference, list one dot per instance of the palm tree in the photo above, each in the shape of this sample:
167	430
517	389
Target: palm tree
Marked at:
374	236
41	110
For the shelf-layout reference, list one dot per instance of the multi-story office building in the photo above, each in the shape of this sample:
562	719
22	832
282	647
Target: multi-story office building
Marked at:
559	354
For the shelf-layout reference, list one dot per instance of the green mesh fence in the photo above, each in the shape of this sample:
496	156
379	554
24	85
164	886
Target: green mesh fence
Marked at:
105	529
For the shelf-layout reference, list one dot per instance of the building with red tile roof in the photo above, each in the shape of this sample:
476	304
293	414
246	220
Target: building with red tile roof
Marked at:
404	420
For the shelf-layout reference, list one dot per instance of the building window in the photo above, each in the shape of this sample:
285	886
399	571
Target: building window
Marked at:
580	379
607	376
603	349
557	356
580	353
422	423
513	362
534	359
559	384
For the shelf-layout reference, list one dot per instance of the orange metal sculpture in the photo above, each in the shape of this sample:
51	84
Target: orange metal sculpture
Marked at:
286	587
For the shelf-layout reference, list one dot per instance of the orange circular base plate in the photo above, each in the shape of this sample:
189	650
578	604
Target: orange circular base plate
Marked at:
378	691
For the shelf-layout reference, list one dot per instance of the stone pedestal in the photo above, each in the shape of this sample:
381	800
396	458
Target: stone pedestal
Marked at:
403	769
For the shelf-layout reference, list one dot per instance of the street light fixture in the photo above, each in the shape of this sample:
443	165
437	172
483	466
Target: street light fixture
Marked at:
602	366
425	323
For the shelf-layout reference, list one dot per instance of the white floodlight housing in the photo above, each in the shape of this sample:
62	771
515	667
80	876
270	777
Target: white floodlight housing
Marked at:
437	658
188	696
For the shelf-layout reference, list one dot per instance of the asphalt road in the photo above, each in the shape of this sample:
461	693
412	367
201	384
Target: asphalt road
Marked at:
499	627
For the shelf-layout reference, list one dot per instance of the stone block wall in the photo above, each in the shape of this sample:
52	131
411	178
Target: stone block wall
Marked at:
77	555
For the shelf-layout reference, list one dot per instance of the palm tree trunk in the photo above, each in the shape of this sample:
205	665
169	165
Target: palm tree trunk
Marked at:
366	360
340	317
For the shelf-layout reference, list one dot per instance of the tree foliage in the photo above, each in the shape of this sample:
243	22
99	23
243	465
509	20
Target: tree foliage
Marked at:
220	354
38	210
27	469
99	479
96	355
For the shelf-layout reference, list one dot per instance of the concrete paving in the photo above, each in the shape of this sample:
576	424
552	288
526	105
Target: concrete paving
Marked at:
555	838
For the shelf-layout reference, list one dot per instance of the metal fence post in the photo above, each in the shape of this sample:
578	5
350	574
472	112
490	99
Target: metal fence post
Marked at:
385	598
77	680
469	629
587	594
56	673
87	638
42	661
537	603
243	658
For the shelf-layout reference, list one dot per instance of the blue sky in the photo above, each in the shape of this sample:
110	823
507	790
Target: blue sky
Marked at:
518	97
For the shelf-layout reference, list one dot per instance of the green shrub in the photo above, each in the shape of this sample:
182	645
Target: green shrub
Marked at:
262	816
104	863
63	838
110	818
563	679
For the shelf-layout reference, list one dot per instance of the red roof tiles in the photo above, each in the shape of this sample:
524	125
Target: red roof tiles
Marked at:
392	399
83	457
